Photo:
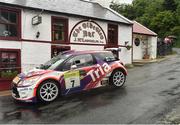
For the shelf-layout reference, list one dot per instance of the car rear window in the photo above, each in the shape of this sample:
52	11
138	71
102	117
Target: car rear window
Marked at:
106	56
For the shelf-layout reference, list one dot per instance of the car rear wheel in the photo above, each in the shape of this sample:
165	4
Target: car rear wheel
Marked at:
118	78
48	91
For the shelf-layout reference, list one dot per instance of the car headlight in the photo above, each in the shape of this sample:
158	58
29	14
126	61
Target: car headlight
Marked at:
29	81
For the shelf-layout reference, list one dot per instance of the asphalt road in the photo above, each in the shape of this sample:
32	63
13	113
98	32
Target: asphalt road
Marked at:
149	94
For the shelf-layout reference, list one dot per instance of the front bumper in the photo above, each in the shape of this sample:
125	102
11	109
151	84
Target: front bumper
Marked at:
24	94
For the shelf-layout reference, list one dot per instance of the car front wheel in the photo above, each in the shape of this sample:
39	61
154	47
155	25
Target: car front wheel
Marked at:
48	91
118	78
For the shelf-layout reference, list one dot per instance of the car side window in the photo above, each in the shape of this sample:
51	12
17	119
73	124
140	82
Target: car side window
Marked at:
79	61
106	56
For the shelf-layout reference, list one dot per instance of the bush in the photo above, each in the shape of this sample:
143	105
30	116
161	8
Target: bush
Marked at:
8	74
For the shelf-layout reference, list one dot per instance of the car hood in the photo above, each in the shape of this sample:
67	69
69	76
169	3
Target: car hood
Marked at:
33	72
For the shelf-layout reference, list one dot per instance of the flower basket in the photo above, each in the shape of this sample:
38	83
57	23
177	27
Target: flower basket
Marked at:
128	47
8	74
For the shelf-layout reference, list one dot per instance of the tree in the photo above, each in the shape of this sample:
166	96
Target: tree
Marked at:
124	9
139	7
161	16
169	5
163	22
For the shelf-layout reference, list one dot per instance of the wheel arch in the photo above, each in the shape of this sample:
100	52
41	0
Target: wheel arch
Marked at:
44	80
122	69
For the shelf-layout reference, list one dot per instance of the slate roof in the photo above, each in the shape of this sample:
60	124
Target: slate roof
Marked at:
140	29
73	7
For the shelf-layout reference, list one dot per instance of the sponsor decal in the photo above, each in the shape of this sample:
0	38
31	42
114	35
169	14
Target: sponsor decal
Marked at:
16	80
72	79
100	71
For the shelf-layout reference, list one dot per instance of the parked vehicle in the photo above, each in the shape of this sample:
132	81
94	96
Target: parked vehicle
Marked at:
69	72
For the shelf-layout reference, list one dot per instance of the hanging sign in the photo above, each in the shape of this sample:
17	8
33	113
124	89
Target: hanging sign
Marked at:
87	32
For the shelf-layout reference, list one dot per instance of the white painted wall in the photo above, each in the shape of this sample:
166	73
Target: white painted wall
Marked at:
138	51
125	34
34	54
153	50
4	44
29	31
87	47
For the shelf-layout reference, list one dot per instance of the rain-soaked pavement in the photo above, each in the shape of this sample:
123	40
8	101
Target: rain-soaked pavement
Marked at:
149	94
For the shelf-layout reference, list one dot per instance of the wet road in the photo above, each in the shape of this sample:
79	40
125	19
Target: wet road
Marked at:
149	94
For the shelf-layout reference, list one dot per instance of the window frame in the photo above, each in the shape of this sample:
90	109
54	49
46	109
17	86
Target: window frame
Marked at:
18	23
62	48
66	29
18	51
115	26
99	56
94	61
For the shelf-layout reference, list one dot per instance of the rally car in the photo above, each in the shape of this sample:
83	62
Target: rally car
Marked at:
69	72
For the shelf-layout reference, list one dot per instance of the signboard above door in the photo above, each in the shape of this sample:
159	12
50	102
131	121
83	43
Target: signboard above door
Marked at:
87	32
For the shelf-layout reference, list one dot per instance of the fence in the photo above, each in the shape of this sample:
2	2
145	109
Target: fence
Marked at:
163	48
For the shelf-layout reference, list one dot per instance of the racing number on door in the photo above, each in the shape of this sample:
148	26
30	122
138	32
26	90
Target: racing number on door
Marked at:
72	82
72	79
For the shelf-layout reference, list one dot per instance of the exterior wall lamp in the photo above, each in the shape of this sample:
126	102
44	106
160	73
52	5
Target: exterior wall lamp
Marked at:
128	47
37	34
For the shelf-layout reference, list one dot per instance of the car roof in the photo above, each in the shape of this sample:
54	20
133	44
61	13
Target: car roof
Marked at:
74	52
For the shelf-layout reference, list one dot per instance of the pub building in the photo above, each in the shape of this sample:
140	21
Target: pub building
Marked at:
33	31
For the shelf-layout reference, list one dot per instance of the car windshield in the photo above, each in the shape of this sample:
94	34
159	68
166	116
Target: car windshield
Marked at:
54	62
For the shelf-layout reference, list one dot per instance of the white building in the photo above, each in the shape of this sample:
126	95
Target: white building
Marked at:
32	31
144	43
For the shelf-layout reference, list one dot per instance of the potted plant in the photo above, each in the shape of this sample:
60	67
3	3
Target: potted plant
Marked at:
8	74
128	47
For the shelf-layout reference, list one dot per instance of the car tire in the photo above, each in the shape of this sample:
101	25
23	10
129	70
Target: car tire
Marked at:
48	91
117	78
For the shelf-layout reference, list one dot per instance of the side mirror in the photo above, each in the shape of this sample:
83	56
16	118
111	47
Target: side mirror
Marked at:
77	62
73	67
107	59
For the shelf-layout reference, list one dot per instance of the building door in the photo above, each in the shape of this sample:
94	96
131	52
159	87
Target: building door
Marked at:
55	50
10	66
146	48
113	39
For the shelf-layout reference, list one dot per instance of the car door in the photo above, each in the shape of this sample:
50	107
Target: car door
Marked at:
76	77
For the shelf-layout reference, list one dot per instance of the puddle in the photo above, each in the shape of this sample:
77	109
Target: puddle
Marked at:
171	78
174	91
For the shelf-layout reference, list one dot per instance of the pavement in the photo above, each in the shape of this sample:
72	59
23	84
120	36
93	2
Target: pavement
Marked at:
172	117
5	93
147	61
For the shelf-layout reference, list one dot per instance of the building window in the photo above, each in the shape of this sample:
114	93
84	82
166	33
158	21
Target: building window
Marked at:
59	30
55	50
112	34
9	63
9	24
137	41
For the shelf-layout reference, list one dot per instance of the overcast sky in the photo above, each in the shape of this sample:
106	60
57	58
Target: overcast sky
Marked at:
124	1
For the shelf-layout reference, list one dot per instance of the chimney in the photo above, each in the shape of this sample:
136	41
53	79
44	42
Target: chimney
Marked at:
103	3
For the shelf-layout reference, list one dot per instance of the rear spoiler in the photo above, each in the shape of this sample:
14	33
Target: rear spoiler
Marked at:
113	49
